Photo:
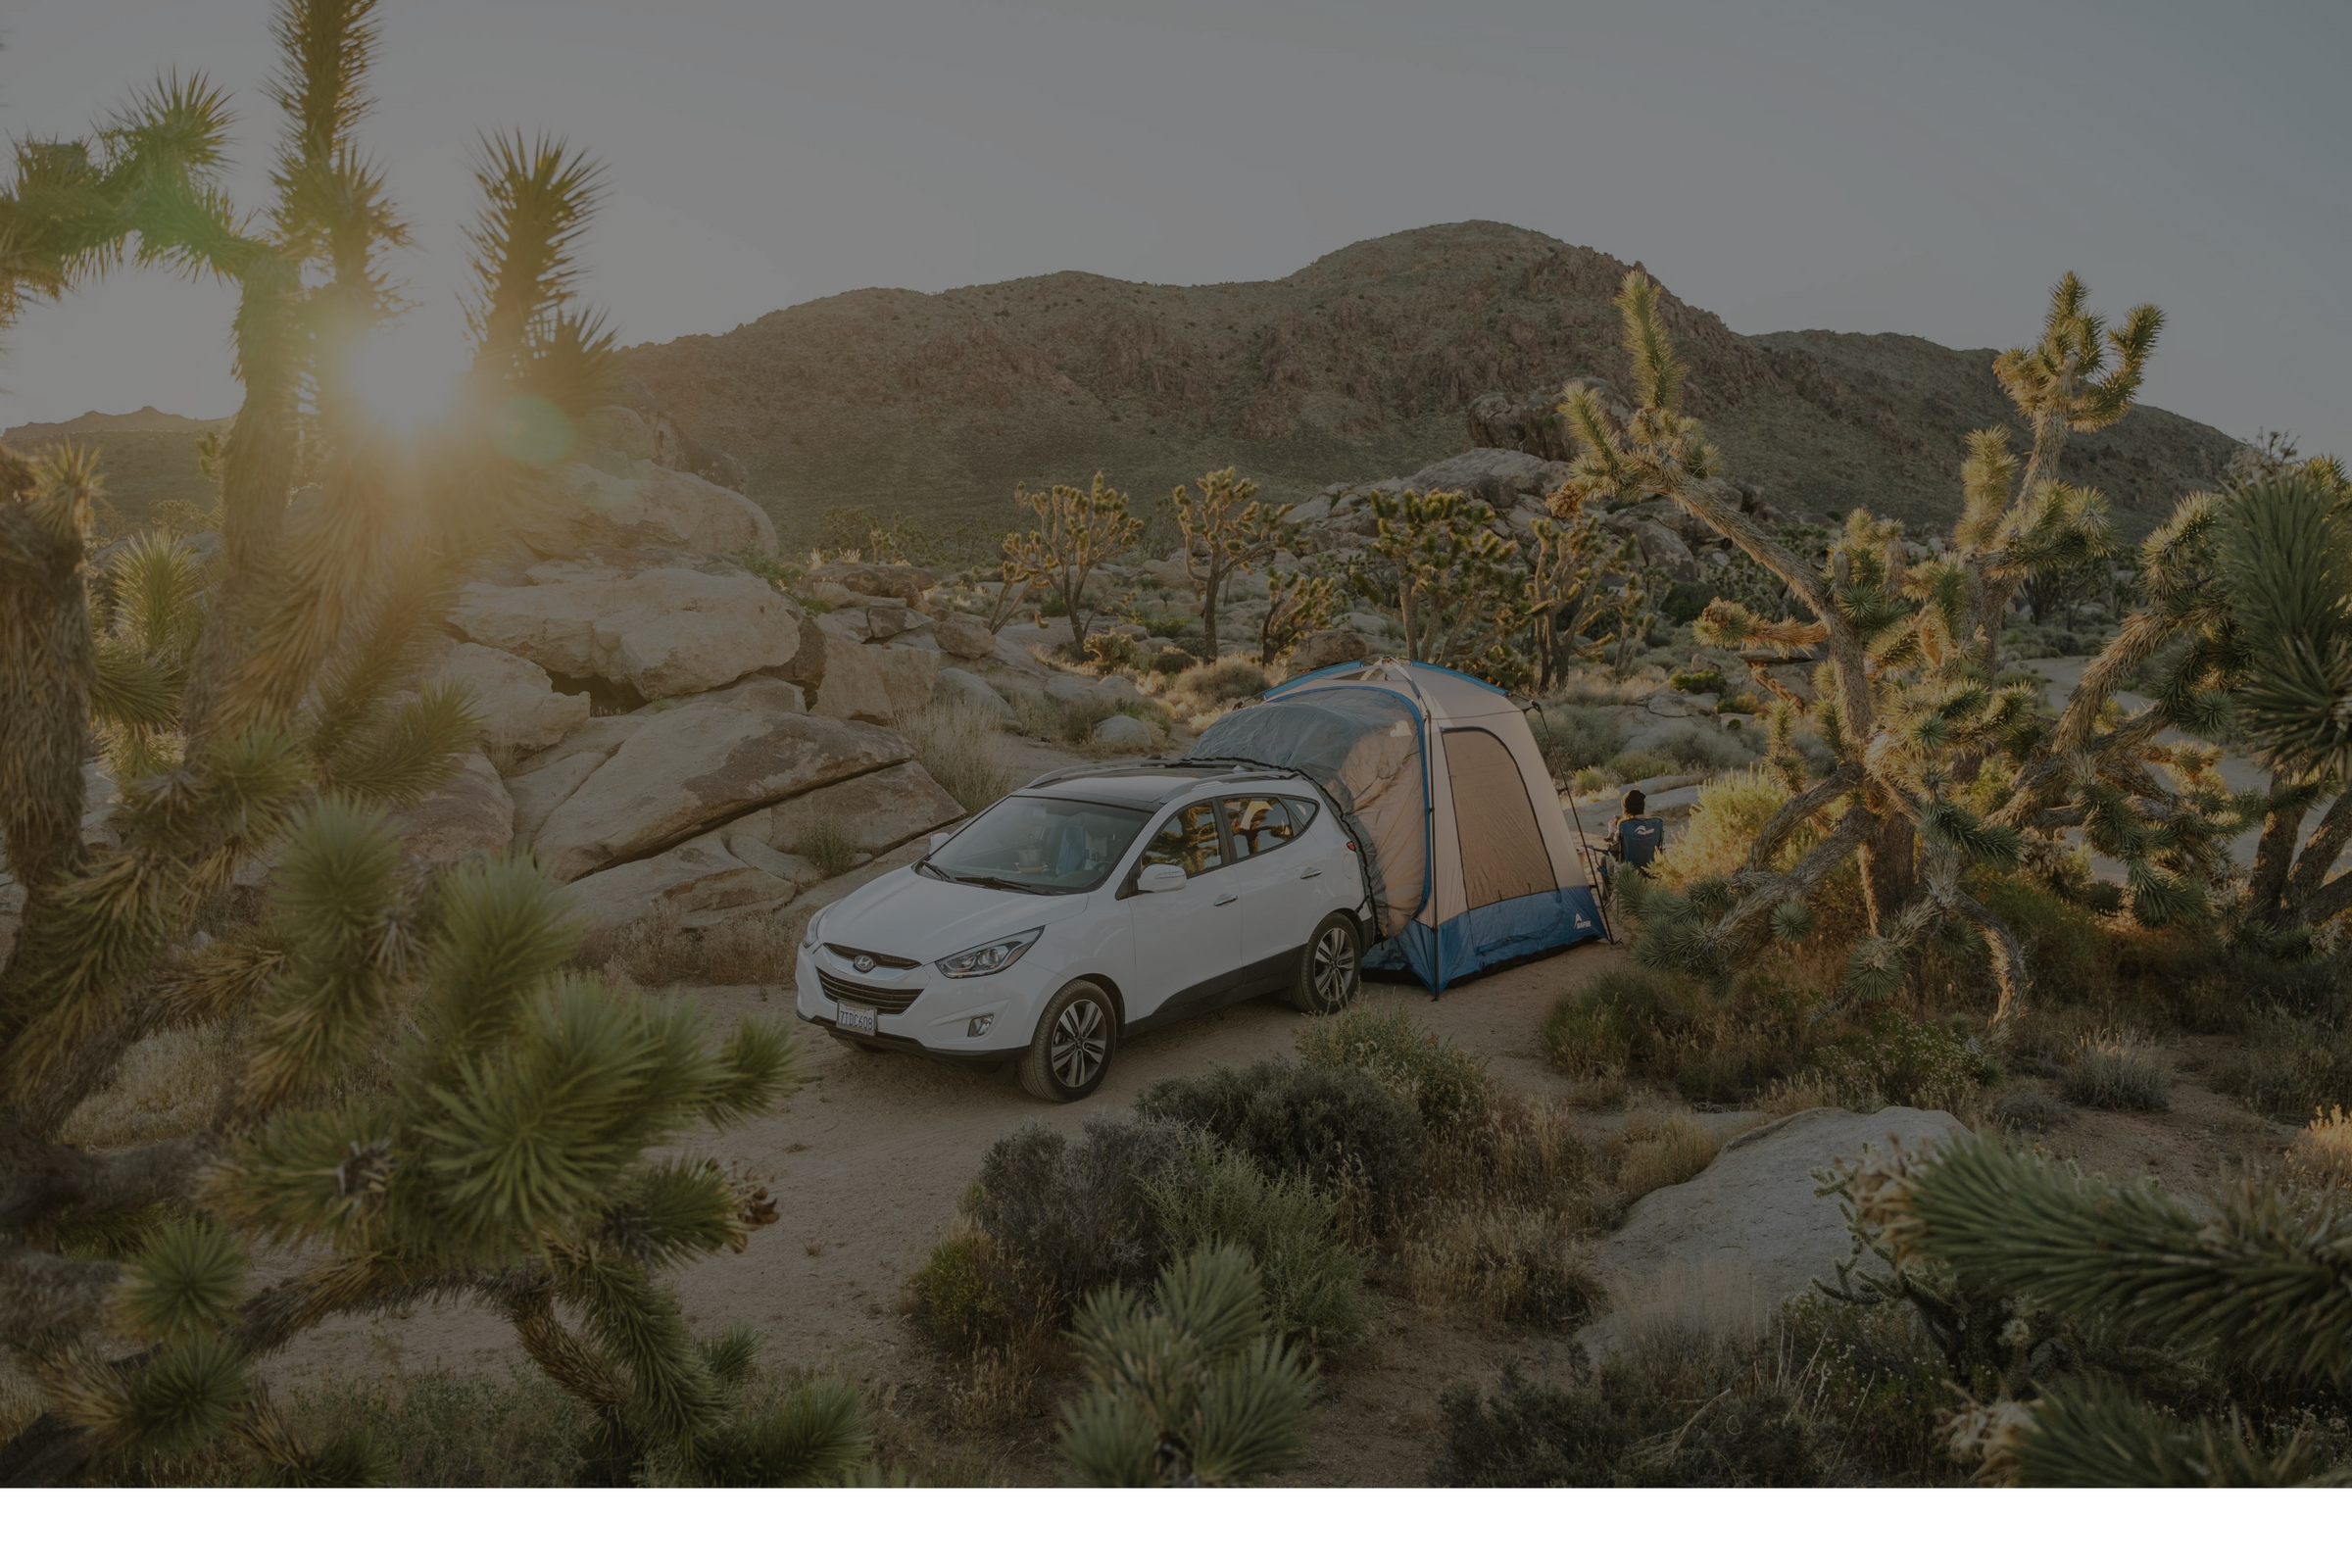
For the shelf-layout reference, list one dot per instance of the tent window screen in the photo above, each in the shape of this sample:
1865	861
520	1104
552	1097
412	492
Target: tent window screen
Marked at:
1502	848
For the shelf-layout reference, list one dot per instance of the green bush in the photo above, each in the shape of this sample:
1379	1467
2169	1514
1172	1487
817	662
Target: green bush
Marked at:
1629	767
1172	661
1445	1084
1697	679
1314	1284
1878	1381
1573	738
1900	1060
2293	1067
1068	1219
1673	1410
1341	1131
1624	1020
824	845
1507	1266
957	1294
2114	1071
1228	680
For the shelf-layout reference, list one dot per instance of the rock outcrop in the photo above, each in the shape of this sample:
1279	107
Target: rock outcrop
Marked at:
471	816
661	630
584	507
879	683
521	712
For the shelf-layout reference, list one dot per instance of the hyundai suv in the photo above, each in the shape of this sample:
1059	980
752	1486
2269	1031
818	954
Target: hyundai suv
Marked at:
1093	904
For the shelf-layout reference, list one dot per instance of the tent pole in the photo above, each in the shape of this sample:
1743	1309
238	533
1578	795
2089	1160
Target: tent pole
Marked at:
1584	850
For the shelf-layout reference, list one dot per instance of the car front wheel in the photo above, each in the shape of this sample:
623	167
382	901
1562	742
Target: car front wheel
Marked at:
1330	967
1070	1053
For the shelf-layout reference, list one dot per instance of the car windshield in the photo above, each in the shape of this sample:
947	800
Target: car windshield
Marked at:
1039	844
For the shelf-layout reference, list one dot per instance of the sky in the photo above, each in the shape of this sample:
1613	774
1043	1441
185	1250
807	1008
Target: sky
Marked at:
1868	167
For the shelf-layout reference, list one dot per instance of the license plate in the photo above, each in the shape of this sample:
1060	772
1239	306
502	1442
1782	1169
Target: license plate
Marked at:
857	1020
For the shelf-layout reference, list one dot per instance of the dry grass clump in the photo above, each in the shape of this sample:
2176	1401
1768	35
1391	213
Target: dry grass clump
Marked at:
1503	1265
2322	1150
1729	814
992	1390
826	844
958	745
2291	1066
168	1086
1811	1090
658	950
2026	1109
1660	1149
2114	1070
756	950
1229	680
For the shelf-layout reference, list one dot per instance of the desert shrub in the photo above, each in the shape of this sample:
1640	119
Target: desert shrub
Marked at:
958	745
1809	1090
1625	1018
2291	1067
1573	738
1515	1155
1069	1218
1314	1284
1671	1411
1626	767
957	1296
2028	1109
2322	1150
1708	750
652	950
753	949
1228	680
1660	1150
1445	1084
1172	661
1730	813
1341	1131
1111	651
824	845
787	1433
1900	1061
1874	1378
2113	1071
1502	1265
167	1086
1697	678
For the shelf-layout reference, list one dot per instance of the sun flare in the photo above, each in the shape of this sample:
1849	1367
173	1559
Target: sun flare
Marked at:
402	379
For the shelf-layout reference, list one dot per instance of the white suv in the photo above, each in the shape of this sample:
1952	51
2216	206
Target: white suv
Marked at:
1093	903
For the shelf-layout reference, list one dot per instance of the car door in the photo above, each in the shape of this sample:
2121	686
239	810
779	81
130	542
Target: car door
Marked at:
1279	882
1187	943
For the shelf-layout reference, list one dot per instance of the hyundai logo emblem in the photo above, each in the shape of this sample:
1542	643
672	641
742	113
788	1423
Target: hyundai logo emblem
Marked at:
864	964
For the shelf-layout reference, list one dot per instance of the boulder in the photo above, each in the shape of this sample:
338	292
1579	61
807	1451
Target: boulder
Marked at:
1664	549
700	876
1334	645
874	623
547	779
1069	688
586	509
763	694
874	682
521	710
1535	425
1124	732
471	815
1746	1233
1492	475
963	637
693	766
1118	689
664	631
874	579
963	686
1370	625
876	810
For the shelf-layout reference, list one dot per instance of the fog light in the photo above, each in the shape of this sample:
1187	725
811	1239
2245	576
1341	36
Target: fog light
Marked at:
979	1026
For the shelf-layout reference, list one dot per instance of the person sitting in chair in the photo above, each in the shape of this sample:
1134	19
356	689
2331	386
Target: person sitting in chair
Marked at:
1635	838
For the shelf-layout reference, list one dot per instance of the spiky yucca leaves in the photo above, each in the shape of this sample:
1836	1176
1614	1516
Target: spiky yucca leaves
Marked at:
1456	583
2264	1283
1939	764
1077	531
1189	1390
1570	608
1226	529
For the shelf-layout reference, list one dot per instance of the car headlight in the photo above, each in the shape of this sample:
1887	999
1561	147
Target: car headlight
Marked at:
808	937
990	957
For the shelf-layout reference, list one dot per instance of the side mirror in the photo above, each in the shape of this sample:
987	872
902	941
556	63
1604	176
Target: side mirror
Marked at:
939	841
1160	879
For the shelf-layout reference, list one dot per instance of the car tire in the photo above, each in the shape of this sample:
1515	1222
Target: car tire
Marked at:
1331	967
1070	1053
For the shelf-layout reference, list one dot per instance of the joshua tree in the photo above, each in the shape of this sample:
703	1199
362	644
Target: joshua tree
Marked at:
2258	1283
1573	610
1188	1391
1938	763
1297	603
1452	578
1226	529
273	706
1077	530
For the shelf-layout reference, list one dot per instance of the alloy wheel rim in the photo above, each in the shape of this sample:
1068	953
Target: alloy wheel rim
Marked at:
1334	966
1081	1040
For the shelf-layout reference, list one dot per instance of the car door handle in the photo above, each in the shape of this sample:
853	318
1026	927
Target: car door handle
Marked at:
1227	899
1312	870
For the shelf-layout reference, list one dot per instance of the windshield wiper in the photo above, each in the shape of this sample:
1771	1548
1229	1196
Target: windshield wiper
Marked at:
1000	884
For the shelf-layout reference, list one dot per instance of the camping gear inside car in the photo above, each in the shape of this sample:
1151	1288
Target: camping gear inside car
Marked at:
1468	858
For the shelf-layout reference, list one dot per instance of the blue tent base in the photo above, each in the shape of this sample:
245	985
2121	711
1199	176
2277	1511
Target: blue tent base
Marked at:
1492	937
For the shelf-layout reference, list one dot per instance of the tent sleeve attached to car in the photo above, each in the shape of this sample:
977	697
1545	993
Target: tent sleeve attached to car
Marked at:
1467	856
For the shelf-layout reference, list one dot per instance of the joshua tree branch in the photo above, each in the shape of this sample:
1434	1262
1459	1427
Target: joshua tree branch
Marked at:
2317	857
45	1298
1799	809
40	1179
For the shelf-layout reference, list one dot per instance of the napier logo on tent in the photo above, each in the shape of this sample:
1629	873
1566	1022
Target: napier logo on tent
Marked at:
1583	924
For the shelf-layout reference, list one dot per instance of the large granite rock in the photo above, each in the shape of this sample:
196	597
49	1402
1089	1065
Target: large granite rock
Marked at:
1334	645
471	815
875	811
697	878
584	507
873	579
521	710
1746	1233
875	682
963	686
547	781
690	767
664	631
963	637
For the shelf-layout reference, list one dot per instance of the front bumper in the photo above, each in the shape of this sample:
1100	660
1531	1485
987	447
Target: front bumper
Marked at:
935	1024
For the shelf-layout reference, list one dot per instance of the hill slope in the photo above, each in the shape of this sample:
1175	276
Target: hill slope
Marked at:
1358	366
145	457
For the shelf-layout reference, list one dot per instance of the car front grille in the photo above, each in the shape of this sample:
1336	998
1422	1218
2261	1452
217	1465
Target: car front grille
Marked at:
886	1000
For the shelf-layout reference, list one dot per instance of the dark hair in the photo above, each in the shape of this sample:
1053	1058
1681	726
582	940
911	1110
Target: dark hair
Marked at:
1635	800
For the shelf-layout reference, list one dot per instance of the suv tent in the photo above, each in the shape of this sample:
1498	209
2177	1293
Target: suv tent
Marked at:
1468	858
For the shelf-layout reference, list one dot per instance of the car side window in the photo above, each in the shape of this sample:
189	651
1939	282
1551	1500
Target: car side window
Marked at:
1302	813
1188	839
1257	824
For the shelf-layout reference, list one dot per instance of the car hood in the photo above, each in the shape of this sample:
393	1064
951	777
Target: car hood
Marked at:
909	915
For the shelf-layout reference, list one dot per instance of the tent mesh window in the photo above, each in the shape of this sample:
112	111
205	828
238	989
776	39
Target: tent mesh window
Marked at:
1502	848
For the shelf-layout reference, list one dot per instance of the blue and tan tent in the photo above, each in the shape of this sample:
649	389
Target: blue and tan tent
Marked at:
1470	863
